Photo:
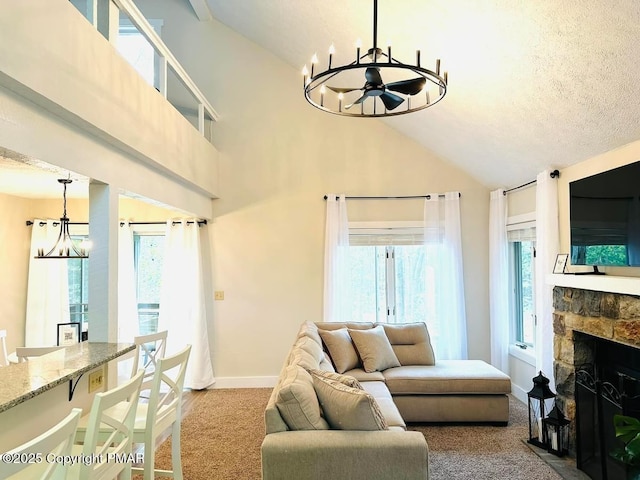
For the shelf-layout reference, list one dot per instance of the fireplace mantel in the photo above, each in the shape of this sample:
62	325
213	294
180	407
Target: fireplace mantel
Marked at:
598	283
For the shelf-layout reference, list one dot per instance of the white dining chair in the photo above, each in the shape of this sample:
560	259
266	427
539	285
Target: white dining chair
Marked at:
149	348
163	411
58	441
24	353
4	356
117	442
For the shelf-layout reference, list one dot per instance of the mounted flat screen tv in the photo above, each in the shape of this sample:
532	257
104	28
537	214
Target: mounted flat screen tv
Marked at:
605	218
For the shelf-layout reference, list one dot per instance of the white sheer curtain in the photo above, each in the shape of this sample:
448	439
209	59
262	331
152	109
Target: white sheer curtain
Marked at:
443	243
499	280
547	244
47	288
182	301
337	307
127	301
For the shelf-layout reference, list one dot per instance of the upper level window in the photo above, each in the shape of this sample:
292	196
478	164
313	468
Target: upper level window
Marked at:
137	50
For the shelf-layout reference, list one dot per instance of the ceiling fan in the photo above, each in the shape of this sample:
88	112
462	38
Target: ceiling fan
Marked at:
375	87
376	63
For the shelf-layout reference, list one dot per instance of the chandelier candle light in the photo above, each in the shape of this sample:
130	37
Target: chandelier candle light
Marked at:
65	246
375	63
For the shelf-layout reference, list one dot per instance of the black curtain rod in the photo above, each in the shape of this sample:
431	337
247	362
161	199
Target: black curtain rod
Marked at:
391	198
200	223
55	224
553	174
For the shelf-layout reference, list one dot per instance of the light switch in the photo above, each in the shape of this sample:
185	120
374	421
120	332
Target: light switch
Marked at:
218	295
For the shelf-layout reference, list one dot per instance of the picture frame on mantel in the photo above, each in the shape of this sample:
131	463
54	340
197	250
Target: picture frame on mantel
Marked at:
561	263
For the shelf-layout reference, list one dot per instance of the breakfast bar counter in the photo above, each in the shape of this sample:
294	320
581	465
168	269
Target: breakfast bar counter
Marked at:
23	381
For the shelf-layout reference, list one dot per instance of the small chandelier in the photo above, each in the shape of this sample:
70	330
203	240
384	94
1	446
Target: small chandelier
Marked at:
374	98
64	247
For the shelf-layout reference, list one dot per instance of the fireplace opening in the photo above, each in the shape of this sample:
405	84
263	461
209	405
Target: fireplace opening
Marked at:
606	383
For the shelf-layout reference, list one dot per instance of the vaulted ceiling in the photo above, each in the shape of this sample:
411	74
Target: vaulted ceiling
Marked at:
532	84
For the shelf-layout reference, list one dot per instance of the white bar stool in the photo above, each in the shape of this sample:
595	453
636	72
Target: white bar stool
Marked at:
58	441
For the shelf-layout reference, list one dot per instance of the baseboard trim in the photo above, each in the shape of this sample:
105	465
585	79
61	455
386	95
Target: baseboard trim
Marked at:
519	392
244	382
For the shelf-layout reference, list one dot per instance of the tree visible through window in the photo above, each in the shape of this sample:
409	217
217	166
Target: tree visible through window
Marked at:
148	256
389	283
523	284
78	275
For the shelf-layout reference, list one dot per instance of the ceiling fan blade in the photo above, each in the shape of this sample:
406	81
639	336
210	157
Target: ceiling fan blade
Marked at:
390	100
360	100
408	87
342	89
373	75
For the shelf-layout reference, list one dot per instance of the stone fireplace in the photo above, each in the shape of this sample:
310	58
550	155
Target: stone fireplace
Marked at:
597	342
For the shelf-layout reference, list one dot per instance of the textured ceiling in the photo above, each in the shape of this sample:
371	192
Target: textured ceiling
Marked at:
25	177
532	84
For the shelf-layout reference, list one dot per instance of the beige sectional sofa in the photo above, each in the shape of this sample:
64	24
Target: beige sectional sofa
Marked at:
346	391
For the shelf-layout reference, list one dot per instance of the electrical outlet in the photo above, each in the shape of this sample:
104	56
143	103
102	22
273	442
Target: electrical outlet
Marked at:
218	295
95	380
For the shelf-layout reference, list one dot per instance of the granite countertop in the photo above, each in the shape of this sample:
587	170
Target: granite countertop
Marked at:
22	381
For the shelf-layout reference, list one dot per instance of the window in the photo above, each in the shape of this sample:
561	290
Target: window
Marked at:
137	50
522	246
131	44
78	275
389	277
148	255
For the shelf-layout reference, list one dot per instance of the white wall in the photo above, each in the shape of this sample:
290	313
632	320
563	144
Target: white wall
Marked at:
52	56
522	201
279	157
15	238
68	99
14	258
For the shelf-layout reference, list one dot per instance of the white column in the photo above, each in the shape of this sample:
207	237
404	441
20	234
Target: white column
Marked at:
103	263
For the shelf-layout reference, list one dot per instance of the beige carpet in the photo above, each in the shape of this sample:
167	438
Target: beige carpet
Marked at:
223	430
221	435
485	452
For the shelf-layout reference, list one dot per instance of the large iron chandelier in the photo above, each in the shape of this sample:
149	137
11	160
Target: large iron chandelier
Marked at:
375	98
65	247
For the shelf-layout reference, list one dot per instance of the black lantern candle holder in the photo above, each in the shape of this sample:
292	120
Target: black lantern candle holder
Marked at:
539	400
555	431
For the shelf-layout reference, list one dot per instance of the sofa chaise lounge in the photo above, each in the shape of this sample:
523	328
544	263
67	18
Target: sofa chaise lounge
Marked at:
346	391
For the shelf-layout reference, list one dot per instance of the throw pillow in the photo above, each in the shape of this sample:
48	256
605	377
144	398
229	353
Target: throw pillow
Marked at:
347	380
297	401
374	349
348	408
411	343
341	350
